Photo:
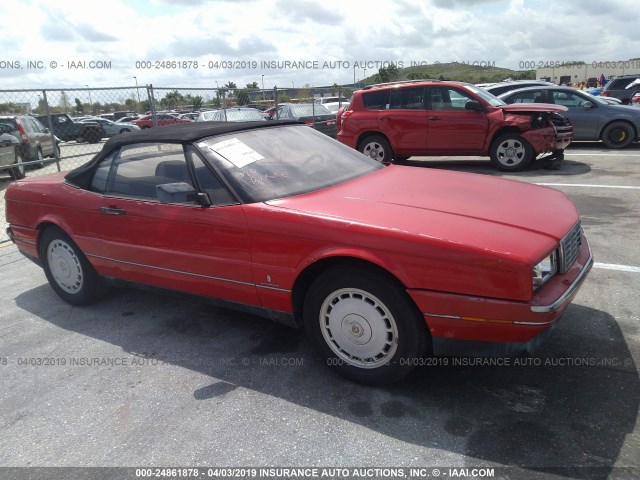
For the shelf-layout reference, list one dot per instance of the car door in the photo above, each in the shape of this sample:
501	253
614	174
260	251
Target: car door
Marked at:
584	118
42	136
404	120
7	147
451	127
127	233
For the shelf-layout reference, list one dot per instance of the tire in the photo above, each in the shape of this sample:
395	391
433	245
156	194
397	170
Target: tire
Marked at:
511	153
125	130
39	158
56	151
364	326
67	269
378	148
80	139
19	171
92	136
618	135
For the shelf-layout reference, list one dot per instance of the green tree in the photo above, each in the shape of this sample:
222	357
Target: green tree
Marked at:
283	98
79	106
196	101
231	87
242	96
172	99
252	85
305	92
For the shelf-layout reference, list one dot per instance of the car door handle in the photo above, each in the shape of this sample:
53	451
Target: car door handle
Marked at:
435	118
112	211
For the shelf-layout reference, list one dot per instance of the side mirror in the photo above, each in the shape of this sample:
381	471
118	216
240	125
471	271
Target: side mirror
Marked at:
176	193
181	192
473	106
587	105
45	130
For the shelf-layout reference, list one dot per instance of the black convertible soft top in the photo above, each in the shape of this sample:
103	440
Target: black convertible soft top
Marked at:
177	133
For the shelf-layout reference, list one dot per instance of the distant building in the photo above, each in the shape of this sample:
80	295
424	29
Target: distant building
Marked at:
576	73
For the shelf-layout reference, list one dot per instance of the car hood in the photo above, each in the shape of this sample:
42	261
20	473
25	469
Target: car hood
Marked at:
510	218
533	107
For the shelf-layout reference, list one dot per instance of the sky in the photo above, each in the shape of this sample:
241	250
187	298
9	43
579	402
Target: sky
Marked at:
72	44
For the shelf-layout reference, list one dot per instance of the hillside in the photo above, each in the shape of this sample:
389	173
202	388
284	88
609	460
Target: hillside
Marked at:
457	71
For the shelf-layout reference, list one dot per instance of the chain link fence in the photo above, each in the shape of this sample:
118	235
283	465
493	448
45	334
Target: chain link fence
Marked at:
56	130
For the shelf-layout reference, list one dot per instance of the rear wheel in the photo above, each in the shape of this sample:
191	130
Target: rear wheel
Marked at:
39	159
378	148
364	325
511	153
92	136
125	130
56	150
19	170
67	269
618	135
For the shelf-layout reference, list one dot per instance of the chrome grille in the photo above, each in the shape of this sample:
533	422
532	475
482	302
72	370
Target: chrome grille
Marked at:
570	246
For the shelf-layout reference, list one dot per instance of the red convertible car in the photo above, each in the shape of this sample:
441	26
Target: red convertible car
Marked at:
381	265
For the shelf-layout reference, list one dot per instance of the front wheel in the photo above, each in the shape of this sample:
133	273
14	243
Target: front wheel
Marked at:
511	153
618	135
364	326
67	269
19	170
378	148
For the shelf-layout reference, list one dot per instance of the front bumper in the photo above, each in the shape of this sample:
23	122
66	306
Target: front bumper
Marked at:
501	326
550	139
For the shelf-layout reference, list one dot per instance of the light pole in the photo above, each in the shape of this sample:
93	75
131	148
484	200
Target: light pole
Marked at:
364	78
354	74
90	101
137	91
263	88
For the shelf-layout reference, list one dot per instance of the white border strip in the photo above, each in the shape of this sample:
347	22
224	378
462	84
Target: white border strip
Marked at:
613	266
630	187
602	154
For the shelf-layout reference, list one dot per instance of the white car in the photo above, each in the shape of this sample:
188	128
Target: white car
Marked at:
335	106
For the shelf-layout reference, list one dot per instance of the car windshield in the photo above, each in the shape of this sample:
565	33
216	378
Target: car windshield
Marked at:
309	109
486	96
240	116
593	98
277	162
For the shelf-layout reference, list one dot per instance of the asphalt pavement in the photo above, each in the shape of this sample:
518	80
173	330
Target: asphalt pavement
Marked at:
146	380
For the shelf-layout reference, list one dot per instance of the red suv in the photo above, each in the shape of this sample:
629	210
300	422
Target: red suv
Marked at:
430	117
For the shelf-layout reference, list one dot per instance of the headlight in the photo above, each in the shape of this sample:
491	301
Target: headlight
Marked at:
545	270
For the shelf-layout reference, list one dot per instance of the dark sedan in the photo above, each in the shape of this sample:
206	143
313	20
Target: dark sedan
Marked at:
592	118
317	116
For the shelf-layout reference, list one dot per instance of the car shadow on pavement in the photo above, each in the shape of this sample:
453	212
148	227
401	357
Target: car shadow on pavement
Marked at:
568	167
567	407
